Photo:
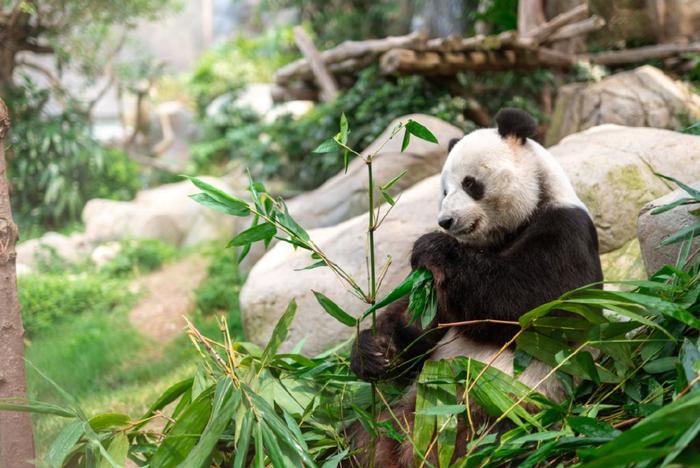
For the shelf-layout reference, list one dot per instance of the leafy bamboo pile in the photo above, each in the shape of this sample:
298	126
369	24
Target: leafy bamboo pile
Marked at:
631	376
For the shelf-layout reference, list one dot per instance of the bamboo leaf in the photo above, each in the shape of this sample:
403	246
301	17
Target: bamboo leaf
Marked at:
226	401
102	422
256	233
670	206
118	451
327	146
236	205
687	188
279	334
685	233
417	276
243	440
64	443
420	131
171	394
344	129
406	140
210	202
38	408
393	180
334	310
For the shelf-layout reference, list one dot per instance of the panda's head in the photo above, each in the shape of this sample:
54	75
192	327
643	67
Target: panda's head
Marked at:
491	181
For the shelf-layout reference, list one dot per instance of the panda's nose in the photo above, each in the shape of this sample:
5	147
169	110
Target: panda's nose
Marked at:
445	223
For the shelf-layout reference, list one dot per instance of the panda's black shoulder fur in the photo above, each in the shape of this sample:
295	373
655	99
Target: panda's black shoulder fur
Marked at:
556	251
515	123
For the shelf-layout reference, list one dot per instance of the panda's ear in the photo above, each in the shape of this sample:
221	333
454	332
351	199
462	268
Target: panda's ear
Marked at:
452	144
515	123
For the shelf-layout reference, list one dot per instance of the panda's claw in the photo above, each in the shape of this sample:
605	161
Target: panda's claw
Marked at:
370	356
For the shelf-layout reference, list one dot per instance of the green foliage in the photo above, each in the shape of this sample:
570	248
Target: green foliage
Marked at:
55	165
50	298
501	15
341	20
284	148
139	256
230	65
495	90
219	291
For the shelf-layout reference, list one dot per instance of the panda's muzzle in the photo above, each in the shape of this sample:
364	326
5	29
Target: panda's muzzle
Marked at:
469	229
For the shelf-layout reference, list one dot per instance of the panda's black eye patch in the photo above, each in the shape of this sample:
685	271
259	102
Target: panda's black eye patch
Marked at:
473	187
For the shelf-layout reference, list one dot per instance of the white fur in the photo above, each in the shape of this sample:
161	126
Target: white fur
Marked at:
510	172
454	344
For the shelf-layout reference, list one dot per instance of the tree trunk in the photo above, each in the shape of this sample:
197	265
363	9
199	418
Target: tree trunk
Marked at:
7	68
16	440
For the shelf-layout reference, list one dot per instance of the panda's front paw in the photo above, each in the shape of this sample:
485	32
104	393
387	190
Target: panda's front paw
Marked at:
371	355
435	251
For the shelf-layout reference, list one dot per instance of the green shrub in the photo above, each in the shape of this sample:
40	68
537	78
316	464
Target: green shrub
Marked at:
219	292
48	299
284	147
230	65
55	165
139	256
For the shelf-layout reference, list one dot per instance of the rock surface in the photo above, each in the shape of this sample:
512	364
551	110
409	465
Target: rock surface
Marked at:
653	229
273	281
624	263
164	213
611	169
643	97
52	246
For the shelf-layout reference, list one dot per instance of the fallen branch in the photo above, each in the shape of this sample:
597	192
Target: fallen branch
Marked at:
326	82
348	50
640	54
580	28
542	33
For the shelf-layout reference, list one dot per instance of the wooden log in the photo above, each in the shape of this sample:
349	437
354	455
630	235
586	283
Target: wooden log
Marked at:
406	61
543	32
294	91
640	54
530	17
579	28
326	82
350	50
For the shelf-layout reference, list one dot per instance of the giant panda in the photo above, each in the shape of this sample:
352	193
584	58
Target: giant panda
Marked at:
513	235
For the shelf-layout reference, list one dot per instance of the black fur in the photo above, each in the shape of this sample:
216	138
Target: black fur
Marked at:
473	187
516	123
554	252
452	144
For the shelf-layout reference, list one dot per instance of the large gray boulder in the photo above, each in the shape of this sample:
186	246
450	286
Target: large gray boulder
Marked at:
50	247
653	229
274	280
612	169
643	97
164	213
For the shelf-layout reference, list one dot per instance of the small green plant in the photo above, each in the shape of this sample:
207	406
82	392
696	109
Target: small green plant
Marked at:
139	256
219	291
48	299
55	165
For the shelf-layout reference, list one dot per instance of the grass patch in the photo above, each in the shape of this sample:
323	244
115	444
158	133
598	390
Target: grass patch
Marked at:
219	292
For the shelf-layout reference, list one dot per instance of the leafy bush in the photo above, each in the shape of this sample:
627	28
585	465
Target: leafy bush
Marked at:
284	147
219	292
139	256
230	65
48	299
55	165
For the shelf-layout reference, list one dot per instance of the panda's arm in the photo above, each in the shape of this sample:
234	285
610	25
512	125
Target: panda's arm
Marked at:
395	348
